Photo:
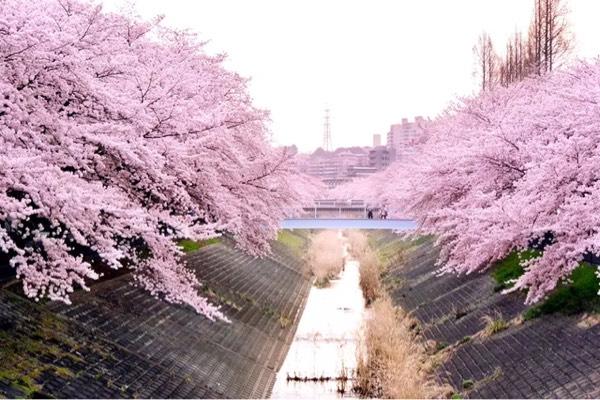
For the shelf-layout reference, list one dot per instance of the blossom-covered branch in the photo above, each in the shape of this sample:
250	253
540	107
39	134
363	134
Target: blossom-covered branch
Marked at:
119	136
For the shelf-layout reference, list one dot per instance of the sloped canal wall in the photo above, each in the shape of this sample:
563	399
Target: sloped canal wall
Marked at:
552	356
118	341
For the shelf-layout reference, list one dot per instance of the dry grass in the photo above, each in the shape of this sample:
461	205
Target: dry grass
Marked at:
392	362
370	281
588	321
493	324
370	271
359	243
325	257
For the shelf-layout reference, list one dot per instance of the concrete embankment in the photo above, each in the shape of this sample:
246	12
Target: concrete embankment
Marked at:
551	356
118	341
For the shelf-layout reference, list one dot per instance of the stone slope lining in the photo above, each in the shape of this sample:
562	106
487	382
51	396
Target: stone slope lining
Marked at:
118	341
552	356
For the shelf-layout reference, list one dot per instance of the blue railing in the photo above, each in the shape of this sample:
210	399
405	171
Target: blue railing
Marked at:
348	223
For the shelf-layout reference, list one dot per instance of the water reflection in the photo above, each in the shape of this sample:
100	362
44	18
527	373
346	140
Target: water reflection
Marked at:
323	351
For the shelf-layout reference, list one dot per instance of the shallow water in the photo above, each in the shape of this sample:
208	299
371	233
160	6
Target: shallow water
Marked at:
326	339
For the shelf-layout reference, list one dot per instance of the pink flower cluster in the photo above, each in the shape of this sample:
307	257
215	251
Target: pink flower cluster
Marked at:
118	136
508	169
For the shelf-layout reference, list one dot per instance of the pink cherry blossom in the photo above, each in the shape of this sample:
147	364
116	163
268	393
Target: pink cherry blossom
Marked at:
503	171
119	136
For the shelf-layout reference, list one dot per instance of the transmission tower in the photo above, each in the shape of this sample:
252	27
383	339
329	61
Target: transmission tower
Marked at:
327	132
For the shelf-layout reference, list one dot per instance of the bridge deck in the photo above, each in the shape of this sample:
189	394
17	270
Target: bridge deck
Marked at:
347	223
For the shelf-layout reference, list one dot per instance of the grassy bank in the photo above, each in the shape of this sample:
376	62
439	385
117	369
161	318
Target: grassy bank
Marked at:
295	241
188	245
578	293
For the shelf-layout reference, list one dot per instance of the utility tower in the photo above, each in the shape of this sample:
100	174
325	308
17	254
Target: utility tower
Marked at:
327	132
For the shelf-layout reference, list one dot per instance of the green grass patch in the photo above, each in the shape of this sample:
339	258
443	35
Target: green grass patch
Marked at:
577	294
391	252
465	339
392	283
508	269
28	350
439	346
293	241
188	245
422	239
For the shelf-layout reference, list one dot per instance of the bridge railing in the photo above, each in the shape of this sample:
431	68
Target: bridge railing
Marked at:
336	208
339	203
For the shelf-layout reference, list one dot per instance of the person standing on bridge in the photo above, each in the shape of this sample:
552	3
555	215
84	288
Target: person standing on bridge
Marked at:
369	213
383	213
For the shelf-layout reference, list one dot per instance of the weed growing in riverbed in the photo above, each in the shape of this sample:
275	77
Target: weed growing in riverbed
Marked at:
370	271
370	281
392	362
325	257
494	324
342	380
359	243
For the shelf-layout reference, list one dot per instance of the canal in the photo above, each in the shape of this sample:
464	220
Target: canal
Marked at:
322	358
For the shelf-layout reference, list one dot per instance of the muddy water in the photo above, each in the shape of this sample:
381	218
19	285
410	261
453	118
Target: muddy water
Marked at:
325	343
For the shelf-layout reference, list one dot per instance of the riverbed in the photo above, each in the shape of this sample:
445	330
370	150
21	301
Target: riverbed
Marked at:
323	351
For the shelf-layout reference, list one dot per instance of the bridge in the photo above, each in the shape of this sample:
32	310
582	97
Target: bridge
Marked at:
349	223
335	208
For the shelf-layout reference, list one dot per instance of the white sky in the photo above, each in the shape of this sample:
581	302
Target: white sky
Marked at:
371	62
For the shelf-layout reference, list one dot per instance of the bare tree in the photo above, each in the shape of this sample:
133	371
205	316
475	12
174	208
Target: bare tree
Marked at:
547	44
549	36
487	62
516	64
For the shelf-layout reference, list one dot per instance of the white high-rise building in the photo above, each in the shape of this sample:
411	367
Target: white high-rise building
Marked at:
376	140
403	136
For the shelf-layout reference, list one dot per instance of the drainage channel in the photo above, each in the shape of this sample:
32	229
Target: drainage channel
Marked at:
322	358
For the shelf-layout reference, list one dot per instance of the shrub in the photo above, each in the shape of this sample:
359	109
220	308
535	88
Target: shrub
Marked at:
439	346
468	383
465	339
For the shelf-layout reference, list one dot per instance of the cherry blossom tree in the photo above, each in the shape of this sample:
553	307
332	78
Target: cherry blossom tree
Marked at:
510	169
119	136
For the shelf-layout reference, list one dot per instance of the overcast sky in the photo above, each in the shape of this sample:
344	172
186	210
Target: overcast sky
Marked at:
371	62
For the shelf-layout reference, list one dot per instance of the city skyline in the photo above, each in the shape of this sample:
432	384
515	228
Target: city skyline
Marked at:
371	64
